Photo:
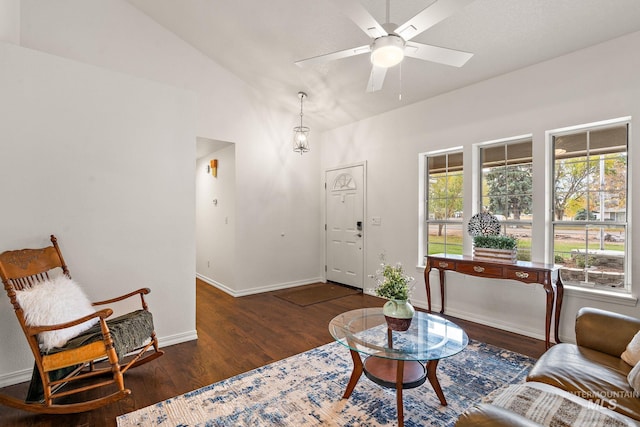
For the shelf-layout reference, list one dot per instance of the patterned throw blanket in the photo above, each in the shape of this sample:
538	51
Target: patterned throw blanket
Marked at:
550	409
128	332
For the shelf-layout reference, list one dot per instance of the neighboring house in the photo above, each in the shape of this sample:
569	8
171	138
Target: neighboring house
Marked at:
614	214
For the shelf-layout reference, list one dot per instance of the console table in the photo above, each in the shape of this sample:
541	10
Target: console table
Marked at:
547	275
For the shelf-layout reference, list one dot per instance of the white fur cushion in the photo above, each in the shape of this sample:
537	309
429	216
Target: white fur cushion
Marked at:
55	301
632	353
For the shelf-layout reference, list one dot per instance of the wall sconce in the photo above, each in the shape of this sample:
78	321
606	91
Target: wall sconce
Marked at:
301	133
214	167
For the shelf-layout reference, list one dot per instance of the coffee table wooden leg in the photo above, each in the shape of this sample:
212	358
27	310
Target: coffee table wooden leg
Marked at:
432	365
399	382
355	374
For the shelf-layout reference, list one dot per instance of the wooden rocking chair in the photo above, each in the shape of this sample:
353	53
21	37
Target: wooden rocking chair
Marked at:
74	365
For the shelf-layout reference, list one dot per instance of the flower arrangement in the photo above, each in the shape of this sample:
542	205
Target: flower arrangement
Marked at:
392	282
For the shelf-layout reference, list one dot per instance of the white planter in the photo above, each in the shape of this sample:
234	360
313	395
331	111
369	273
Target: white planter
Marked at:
509	256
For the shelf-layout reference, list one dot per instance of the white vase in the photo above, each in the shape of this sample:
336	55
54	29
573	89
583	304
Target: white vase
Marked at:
398	314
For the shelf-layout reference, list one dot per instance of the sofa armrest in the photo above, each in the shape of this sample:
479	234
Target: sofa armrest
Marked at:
487	415
605	331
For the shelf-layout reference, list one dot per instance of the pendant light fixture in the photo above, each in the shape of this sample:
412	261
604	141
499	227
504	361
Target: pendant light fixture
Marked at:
301	133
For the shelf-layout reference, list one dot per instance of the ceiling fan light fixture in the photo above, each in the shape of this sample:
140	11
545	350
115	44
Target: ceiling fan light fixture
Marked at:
387	51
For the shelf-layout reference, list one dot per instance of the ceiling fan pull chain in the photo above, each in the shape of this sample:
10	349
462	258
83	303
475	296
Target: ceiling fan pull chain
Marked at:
400	93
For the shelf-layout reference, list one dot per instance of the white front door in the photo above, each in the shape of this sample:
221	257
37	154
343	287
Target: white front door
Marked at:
345	225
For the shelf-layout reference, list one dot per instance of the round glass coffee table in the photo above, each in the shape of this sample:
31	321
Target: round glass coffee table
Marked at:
393	359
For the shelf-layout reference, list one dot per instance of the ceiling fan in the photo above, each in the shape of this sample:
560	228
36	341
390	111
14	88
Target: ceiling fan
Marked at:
391	43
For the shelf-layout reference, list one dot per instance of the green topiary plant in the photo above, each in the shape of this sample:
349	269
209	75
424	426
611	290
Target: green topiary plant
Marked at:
495	242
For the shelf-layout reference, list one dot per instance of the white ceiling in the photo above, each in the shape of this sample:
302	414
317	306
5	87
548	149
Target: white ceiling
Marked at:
259	41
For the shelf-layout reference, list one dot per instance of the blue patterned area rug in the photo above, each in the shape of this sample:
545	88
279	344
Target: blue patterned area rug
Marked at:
306	390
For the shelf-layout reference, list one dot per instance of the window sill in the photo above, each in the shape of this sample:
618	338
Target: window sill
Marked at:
601	295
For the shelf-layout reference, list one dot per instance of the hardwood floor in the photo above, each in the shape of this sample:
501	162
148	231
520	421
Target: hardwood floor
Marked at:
236	335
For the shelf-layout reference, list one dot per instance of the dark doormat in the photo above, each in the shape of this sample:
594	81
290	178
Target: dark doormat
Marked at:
315	293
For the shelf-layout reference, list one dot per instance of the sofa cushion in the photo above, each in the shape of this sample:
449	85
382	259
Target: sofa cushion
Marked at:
605	331
588	374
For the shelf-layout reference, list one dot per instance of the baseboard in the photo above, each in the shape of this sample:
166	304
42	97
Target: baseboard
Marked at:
177	338
258	290
215	283
15	377
509	327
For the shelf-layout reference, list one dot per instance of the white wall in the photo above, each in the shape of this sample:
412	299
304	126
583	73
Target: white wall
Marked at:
105	162
215	219
594	84
10	21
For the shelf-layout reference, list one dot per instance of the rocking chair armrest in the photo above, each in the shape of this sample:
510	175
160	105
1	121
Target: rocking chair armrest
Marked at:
141	291
102	314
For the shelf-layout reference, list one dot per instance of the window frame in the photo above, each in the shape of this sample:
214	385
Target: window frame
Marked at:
478	171
423	189
600	293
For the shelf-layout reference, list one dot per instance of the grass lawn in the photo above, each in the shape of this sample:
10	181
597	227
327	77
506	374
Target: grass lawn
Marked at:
454	245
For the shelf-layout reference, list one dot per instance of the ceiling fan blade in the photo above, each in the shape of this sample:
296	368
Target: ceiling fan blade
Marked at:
441	55
429	17
354	10
376	79
333	56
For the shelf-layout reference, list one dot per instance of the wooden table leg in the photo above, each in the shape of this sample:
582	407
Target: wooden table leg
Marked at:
548	288
441	274
432	365
427	270
355	374
559	296
399	382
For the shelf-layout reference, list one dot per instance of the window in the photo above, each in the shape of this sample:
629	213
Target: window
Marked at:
589	200
443	203
506	188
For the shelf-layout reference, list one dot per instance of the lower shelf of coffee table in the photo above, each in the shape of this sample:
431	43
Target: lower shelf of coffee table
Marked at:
384	372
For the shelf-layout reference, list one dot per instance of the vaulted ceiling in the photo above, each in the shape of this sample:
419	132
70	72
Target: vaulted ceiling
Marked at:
260	40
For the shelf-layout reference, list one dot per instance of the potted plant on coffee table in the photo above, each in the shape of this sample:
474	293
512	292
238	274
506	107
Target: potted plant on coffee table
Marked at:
394	285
